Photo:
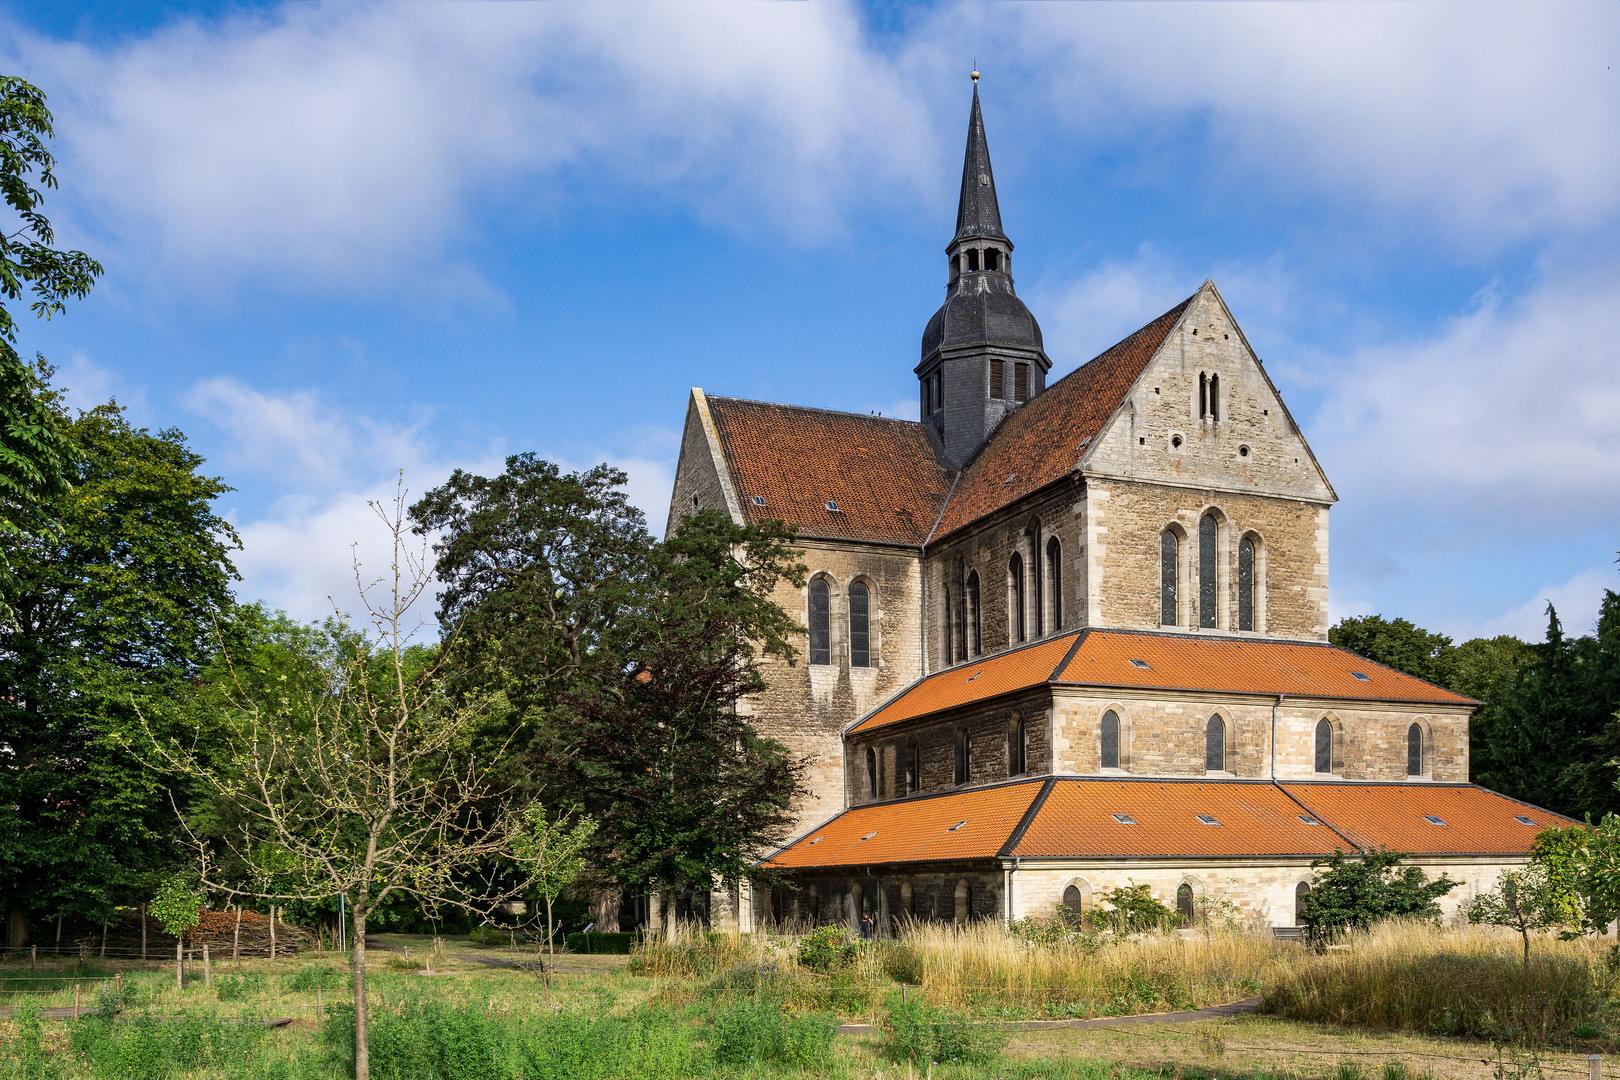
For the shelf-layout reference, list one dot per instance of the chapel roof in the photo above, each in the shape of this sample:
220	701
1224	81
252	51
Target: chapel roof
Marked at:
1080	817
879	472
1155	660
1043	440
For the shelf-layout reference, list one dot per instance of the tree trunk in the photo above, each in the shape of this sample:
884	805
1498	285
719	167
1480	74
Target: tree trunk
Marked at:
1525	932
362	1010
669	916
59	935
16	928
104	941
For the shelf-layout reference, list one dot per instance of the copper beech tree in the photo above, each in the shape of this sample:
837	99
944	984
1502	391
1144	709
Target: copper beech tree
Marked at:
367	785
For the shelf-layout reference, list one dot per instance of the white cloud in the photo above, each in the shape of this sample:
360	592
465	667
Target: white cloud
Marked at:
1493	119
87	384
1509	413
339	145
1577	602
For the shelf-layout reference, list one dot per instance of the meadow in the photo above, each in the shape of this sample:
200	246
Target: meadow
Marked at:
1403	1000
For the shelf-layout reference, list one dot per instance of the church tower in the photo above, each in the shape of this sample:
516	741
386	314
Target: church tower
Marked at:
981	354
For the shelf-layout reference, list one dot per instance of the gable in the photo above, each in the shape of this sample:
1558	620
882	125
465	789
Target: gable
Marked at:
1045	439
1204	413
701	471
880	473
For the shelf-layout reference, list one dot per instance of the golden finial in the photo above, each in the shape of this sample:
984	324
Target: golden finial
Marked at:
975	73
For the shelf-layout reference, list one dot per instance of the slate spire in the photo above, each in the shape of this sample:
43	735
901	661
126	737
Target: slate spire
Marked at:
977	215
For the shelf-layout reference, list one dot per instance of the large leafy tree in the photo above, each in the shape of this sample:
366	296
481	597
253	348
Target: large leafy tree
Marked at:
114	608
1354	892
1396	643
654	745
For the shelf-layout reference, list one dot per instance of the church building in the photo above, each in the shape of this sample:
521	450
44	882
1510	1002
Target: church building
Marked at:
1069	635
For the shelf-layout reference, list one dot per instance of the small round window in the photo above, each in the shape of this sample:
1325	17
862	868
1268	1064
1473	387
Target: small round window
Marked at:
1243	451
1175	442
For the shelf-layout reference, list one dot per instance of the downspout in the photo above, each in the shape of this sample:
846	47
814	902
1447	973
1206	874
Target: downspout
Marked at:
1275	706
1010	871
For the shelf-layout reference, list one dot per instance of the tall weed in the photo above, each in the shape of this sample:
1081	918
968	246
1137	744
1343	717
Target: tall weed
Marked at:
925	1035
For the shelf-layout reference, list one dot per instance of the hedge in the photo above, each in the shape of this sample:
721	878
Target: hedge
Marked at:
617	944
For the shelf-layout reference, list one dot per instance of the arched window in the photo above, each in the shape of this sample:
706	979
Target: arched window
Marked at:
1054	583
992	259
1414	750
857	904
945	627
975	642
1215	744
913	766
871	773
860	623
1301	892
1017	746
1110	740
1169	558
964	750
1184	902
1214	397
820	623
1073	899
1203	394
960	613
1246	584
1015	597
1207	532
906	897
1324	746
964	901
973	260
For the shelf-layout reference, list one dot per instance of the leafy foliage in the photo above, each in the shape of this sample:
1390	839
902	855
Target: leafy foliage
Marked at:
826	948
1396	643
1356	892
925	1035
178	905
1525	900
552	854
1133	909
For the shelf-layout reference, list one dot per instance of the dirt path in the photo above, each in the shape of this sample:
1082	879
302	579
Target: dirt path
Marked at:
1214	1012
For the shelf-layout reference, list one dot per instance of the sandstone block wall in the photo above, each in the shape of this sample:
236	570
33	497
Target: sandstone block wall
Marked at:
989	734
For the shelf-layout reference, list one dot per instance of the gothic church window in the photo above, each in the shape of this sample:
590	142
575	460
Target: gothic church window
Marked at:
998	375
1110	740
913	767
1074	900
1203	394
860	639
1015	597
1246	584
1054	582
1324	746
1169	557
1302	892
1414	750
975	643
1214	397
964	750
1184	902
1207	533
1017	747
820	623
1215	744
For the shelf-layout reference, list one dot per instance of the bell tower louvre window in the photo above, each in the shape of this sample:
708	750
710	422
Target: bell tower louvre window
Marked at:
1020	382
998	375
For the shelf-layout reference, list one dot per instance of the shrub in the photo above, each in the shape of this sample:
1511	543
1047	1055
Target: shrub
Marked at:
759	1032
430	1040
238	987
1134	910
924	1034
147	1048
608	944
1354	893
826	948
318	977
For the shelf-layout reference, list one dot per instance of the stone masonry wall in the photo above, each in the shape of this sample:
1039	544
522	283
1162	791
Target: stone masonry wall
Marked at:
988	735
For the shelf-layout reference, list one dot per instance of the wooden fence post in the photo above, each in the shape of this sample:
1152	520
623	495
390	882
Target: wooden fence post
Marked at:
236	935
179	964
104	941
33	959
208	971
75	1001
272	931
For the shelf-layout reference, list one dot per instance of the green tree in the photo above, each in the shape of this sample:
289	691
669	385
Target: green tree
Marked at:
115	605
553	855
1354	892
177	906
1525	900
1396	643
652	743
1134	908
1597	874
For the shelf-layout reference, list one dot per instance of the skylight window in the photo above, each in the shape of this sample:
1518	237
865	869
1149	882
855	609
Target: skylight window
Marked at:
869	835
1432	820
832	507
1308	819
817	840
958	825
1361	675
1526	821
1143	664
975	675
759	500
1208	819
1125	819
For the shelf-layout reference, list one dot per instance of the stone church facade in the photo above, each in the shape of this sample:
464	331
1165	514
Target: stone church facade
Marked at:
1048	608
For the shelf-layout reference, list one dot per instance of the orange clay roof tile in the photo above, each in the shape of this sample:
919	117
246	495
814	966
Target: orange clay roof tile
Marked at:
879	472
1043	440
1252	818
1395	816
917	830
1073	818
1172	662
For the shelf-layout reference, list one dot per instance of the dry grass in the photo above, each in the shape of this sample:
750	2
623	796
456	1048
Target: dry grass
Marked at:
1455	981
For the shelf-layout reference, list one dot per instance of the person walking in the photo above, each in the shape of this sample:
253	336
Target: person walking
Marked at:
866	927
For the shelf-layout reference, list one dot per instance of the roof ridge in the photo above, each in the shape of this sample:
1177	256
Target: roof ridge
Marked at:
1079	640
1301	804
1176	310
1029	817
814	408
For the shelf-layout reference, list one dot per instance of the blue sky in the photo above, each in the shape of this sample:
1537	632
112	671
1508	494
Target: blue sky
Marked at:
346	239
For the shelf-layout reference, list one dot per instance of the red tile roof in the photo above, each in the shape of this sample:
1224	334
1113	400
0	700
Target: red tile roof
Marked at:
1396	816
1073	818
1042	441
1218	665
880	472
1252	818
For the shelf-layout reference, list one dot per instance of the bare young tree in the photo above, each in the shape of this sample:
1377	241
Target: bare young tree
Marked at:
367	786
